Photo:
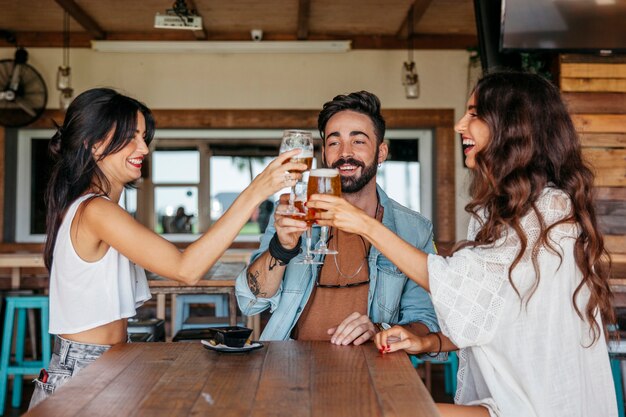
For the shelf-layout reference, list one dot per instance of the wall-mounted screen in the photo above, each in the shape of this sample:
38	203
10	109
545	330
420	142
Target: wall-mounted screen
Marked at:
563	25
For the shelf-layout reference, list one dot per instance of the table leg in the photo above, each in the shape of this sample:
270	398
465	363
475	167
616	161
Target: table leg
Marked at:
15	278
427	367
160	306
232	308
254	323
172	315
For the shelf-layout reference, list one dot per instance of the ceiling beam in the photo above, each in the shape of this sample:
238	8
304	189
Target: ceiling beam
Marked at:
417	11
201	34
304	12
267	119
83	39
82	18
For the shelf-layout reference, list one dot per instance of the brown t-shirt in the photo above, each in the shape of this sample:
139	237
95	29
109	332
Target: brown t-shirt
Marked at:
328	307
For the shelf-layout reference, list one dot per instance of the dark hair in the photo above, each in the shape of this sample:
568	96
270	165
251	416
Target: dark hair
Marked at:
361	102
533	144
91	117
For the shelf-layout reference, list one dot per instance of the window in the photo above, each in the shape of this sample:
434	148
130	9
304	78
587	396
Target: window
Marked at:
204	170
33	173
229	176
176	175
404	174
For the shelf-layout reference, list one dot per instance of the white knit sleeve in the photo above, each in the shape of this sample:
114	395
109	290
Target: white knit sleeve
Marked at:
469	288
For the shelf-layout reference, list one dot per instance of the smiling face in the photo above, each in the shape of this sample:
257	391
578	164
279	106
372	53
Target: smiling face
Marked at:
124	166
351	147
474	133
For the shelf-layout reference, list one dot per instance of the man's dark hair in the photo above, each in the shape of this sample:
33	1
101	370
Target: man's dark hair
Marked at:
361	102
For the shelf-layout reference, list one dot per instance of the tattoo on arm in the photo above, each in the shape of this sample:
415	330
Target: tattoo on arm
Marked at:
253	283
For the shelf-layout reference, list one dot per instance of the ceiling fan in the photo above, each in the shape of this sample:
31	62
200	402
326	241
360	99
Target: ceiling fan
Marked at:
23	92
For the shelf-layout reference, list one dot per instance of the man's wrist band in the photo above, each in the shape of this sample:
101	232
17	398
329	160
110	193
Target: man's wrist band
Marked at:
440	345
282	255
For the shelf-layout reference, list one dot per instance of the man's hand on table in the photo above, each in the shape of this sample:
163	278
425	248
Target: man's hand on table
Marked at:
356	328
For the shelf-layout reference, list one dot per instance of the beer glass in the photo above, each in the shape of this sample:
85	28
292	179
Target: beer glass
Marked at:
297	139
321	181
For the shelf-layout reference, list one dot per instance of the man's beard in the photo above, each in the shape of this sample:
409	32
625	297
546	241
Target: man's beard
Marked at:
354	184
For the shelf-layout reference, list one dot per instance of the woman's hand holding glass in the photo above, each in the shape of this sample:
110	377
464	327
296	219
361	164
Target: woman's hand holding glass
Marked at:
325	181
303	140
336	212
277	175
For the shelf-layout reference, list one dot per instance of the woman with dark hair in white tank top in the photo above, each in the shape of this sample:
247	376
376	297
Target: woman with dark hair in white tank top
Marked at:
95	251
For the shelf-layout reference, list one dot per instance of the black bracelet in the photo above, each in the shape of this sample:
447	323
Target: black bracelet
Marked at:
282	255
439	348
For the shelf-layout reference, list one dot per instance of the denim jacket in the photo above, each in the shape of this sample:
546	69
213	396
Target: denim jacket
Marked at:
392	298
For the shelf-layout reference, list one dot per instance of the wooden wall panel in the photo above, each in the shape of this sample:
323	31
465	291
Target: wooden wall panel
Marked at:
603	140
609	165
586	70
599	123
595	102
594	92
615	243
594	89
592	84
611	216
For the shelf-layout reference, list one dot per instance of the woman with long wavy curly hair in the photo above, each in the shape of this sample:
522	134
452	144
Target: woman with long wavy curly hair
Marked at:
526	297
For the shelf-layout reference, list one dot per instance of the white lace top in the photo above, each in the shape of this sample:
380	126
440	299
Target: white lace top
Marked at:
522	360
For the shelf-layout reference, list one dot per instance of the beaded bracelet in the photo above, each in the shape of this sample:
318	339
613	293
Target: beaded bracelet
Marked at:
439	348
282	255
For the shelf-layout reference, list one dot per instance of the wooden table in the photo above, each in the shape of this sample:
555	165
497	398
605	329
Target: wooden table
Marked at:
219	280
16	261
289	379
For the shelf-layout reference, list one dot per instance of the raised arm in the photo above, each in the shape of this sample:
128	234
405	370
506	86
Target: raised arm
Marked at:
113	226
265	274
343	215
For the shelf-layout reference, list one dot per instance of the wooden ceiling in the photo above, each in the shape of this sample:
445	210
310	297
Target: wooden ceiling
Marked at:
370	24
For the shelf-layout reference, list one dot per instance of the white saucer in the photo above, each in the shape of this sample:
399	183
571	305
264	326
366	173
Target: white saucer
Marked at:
229	349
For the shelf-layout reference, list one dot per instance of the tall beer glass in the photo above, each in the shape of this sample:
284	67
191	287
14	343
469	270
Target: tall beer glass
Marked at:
297	139
321	181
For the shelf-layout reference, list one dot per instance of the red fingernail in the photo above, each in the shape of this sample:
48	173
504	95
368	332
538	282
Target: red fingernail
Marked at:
381	350
388	346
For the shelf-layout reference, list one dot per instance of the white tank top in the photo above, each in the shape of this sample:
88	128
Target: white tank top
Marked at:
85	295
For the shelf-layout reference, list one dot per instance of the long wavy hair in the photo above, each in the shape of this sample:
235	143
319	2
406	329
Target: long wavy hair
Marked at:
91	118
533	144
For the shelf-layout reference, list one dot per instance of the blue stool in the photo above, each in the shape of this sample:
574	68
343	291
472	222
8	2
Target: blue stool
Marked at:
450	369
21	367
183	303
616	370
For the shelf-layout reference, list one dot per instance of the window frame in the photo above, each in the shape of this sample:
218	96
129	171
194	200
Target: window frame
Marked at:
23	183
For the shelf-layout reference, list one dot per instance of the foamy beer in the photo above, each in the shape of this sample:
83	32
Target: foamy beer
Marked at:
304	157
300	193
322	181
302	213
